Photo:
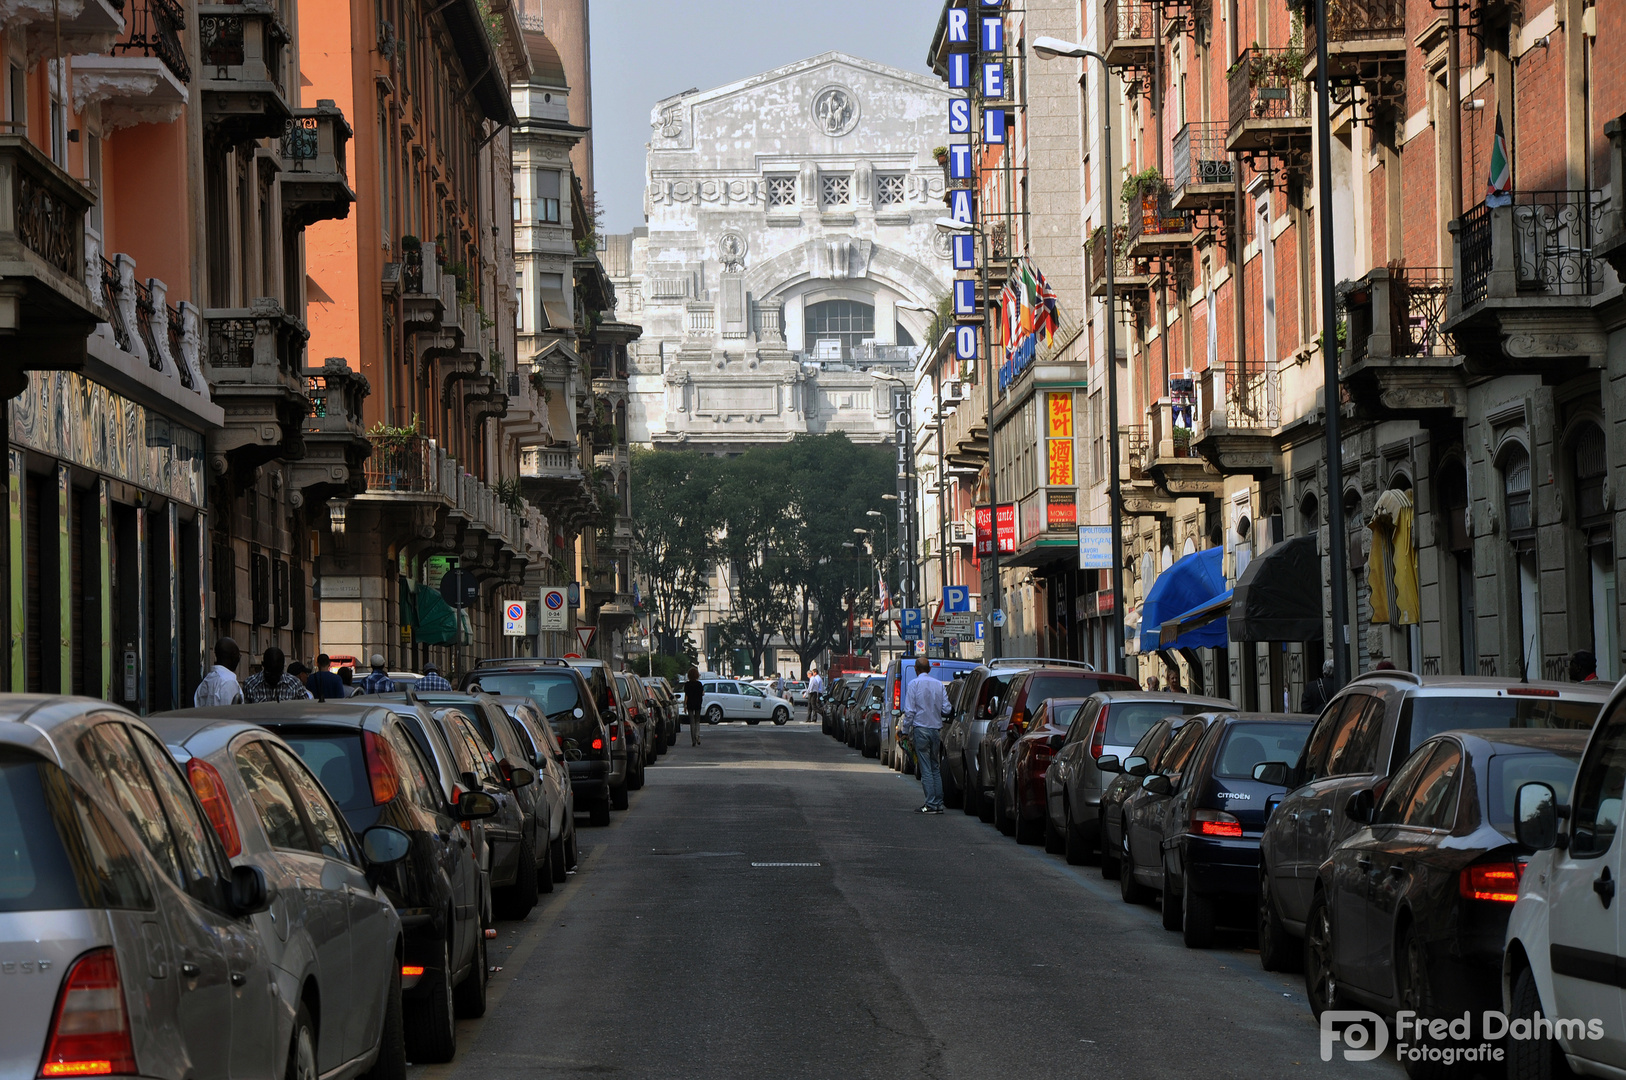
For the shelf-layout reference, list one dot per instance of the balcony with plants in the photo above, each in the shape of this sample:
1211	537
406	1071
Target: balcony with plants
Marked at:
1170	458
1130	276
1238	412
1152	230
1356	30
1270	103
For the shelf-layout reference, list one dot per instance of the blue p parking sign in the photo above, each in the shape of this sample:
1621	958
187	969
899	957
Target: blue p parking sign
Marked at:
909	623
956	598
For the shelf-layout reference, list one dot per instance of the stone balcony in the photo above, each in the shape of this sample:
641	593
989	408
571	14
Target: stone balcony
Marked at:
1238	435
1173	463
1131	37
336	443
1397	356
1525	278
1611	245
74	26
143	77
255	362
242	70
145	340
312	151
552	478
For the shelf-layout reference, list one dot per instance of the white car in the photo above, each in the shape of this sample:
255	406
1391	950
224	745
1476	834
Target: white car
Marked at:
727	699
1567	931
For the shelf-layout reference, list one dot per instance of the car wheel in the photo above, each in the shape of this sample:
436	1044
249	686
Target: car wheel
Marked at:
431	1029
1197	923
517	900
714	715
1131	890
545	873
1054	842
302	1049
1534	1058
469	999
972	803
599	813
985	804
1074	846
572	849
635	779
953	794
1416	993
1003	820
1276	951
391	1063
781	716
618	797
559	858
1171	907
1320	984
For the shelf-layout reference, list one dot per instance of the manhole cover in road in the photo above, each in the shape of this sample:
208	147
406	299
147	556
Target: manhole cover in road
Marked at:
786	864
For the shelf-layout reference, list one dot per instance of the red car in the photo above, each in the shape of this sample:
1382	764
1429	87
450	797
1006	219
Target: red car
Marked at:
1021	787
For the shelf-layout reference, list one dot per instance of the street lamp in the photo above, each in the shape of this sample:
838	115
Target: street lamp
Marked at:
1049	48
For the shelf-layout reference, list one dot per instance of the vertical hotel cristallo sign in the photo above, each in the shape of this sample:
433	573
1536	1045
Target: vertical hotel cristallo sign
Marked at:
1059	438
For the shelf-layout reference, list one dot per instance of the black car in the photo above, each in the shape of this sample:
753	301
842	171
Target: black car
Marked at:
531	856
1147	814
1205	831
1130	771
383	766
565	696
1410	911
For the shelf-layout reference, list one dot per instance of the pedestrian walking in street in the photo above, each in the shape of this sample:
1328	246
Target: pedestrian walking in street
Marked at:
272	683
778	685
694	696
220	685
378	680
324	683
924	707
1152	684
1173	683
347	675
815	694
1318	692
432	679
299	671
1583	667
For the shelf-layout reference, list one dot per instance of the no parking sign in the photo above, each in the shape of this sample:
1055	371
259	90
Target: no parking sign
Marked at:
513	618
554	613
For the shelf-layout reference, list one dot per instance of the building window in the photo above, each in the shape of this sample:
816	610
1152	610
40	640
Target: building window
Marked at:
17	102
1451	495
835	327
1521	532
889	189
547	196
781	191
517	214
836	190
1516	494
1590	464
519	310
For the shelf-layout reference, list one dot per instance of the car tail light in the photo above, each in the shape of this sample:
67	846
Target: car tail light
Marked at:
90	1033
897	693
615	731
410	974
598	744
1098	737
1532	691
381	774
211	792
1043	755
1215	823
1496	882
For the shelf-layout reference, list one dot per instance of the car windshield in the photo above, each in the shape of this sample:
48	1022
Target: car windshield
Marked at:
1249	744
1422	718
1127	721
555	693
1508	771
338	762
43	818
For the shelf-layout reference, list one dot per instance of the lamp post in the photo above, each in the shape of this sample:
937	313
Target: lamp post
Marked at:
1048	48
849	545
869	549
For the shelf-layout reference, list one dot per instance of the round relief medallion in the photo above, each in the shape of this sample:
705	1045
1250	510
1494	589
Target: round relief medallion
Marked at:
835	111
941	244
731	249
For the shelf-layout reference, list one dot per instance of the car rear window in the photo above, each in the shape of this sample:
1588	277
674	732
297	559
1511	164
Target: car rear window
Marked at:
1127	721
44	817
1249	744
338	762
1422	718
1508	771
556	694
1066	686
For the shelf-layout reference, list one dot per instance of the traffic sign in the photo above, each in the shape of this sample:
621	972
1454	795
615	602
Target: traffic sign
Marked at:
459	589
956	625
979	629
956	598
554	614
513	619
909	624
585	635
998	619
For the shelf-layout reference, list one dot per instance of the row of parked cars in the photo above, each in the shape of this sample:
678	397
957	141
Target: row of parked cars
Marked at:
1427	846
292	890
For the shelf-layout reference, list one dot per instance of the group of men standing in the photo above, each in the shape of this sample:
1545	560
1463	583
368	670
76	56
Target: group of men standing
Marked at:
278	681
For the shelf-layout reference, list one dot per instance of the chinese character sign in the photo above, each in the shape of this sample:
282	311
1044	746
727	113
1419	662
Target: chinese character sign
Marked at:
1059	443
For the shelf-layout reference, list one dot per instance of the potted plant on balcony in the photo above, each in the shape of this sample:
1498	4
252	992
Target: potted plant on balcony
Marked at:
1143	195
392	461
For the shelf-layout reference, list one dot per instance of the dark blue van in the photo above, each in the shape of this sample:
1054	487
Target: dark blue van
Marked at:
899	674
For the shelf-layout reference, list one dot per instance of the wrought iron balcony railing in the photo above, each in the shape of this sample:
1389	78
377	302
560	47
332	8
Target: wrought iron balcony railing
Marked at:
1201	164
1269	101
1131	32
1351	22
158	29
1548	247
1399	312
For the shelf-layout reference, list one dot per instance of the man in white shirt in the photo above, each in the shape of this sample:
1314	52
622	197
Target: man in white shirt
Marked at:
815	693
923	709
220	686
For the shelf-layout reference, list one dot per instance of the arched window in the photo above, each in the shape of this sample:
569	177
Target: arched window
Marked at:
1516	492
1309	515
905	338
849	323
1521	533
1590	460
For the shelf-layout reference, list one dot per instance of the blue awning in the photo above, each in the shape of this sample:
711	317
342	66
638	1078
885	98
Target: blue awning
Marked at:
1189	583
1197	629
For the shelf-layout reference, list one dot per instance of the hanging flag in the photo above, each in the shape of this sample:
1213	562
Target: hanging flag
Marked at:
1049	317
1499	190
886	598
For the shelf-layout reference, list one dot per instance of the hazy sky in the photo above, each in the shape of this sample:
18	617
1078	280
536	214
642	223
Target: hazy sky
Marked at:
645	50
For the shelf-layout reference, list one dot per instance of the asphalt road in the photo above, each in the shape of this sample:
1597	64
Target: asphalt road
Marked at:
772	906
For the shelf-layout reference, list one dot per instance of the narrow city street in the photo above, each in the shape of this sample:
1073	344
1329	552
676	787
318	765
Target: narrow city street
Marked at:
772	906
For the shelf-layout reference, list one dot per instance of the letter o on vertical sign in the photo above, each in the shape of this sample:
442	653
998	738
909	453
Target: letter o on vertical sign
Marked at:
965	343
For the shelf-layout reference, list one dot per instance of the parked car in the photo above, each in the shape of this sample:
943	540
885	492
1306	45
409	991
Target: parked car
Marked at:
1362	736
553	774
899	674
869	703
332	933
1411	910
1193	828
667	707
796	692
852	707
137	928
640	730
836	700
517	774
1564	932
1022	766
1140	763
729	699
974	706
569	697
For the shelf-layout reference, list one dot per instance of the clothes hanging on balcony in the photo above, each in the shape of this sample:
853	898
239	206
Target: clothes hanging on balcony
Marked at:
1394	556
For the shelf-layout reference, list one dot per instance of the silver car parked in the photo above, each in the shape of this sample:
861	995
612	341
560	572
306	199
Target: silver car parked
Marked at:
126	935
332	936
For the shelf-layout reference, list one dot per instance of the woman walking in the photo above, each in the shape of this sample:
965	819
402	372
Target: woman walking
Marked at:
693	697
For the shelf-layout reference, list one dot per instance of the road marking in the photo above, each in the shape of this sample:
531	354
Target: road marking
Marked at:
784	766
786	864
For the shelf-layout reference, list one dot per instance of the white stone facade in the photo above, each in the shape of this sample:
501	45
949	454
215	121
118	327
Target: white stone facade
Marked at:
789	251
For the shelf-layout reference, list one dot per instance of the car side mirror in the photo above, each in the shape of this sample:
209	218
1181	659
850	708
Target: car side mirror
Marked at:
1535	816
1136	765
1278	773
248	891
993	706
474	805
521	777
1109	763
1358	807
384	845
1158	784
